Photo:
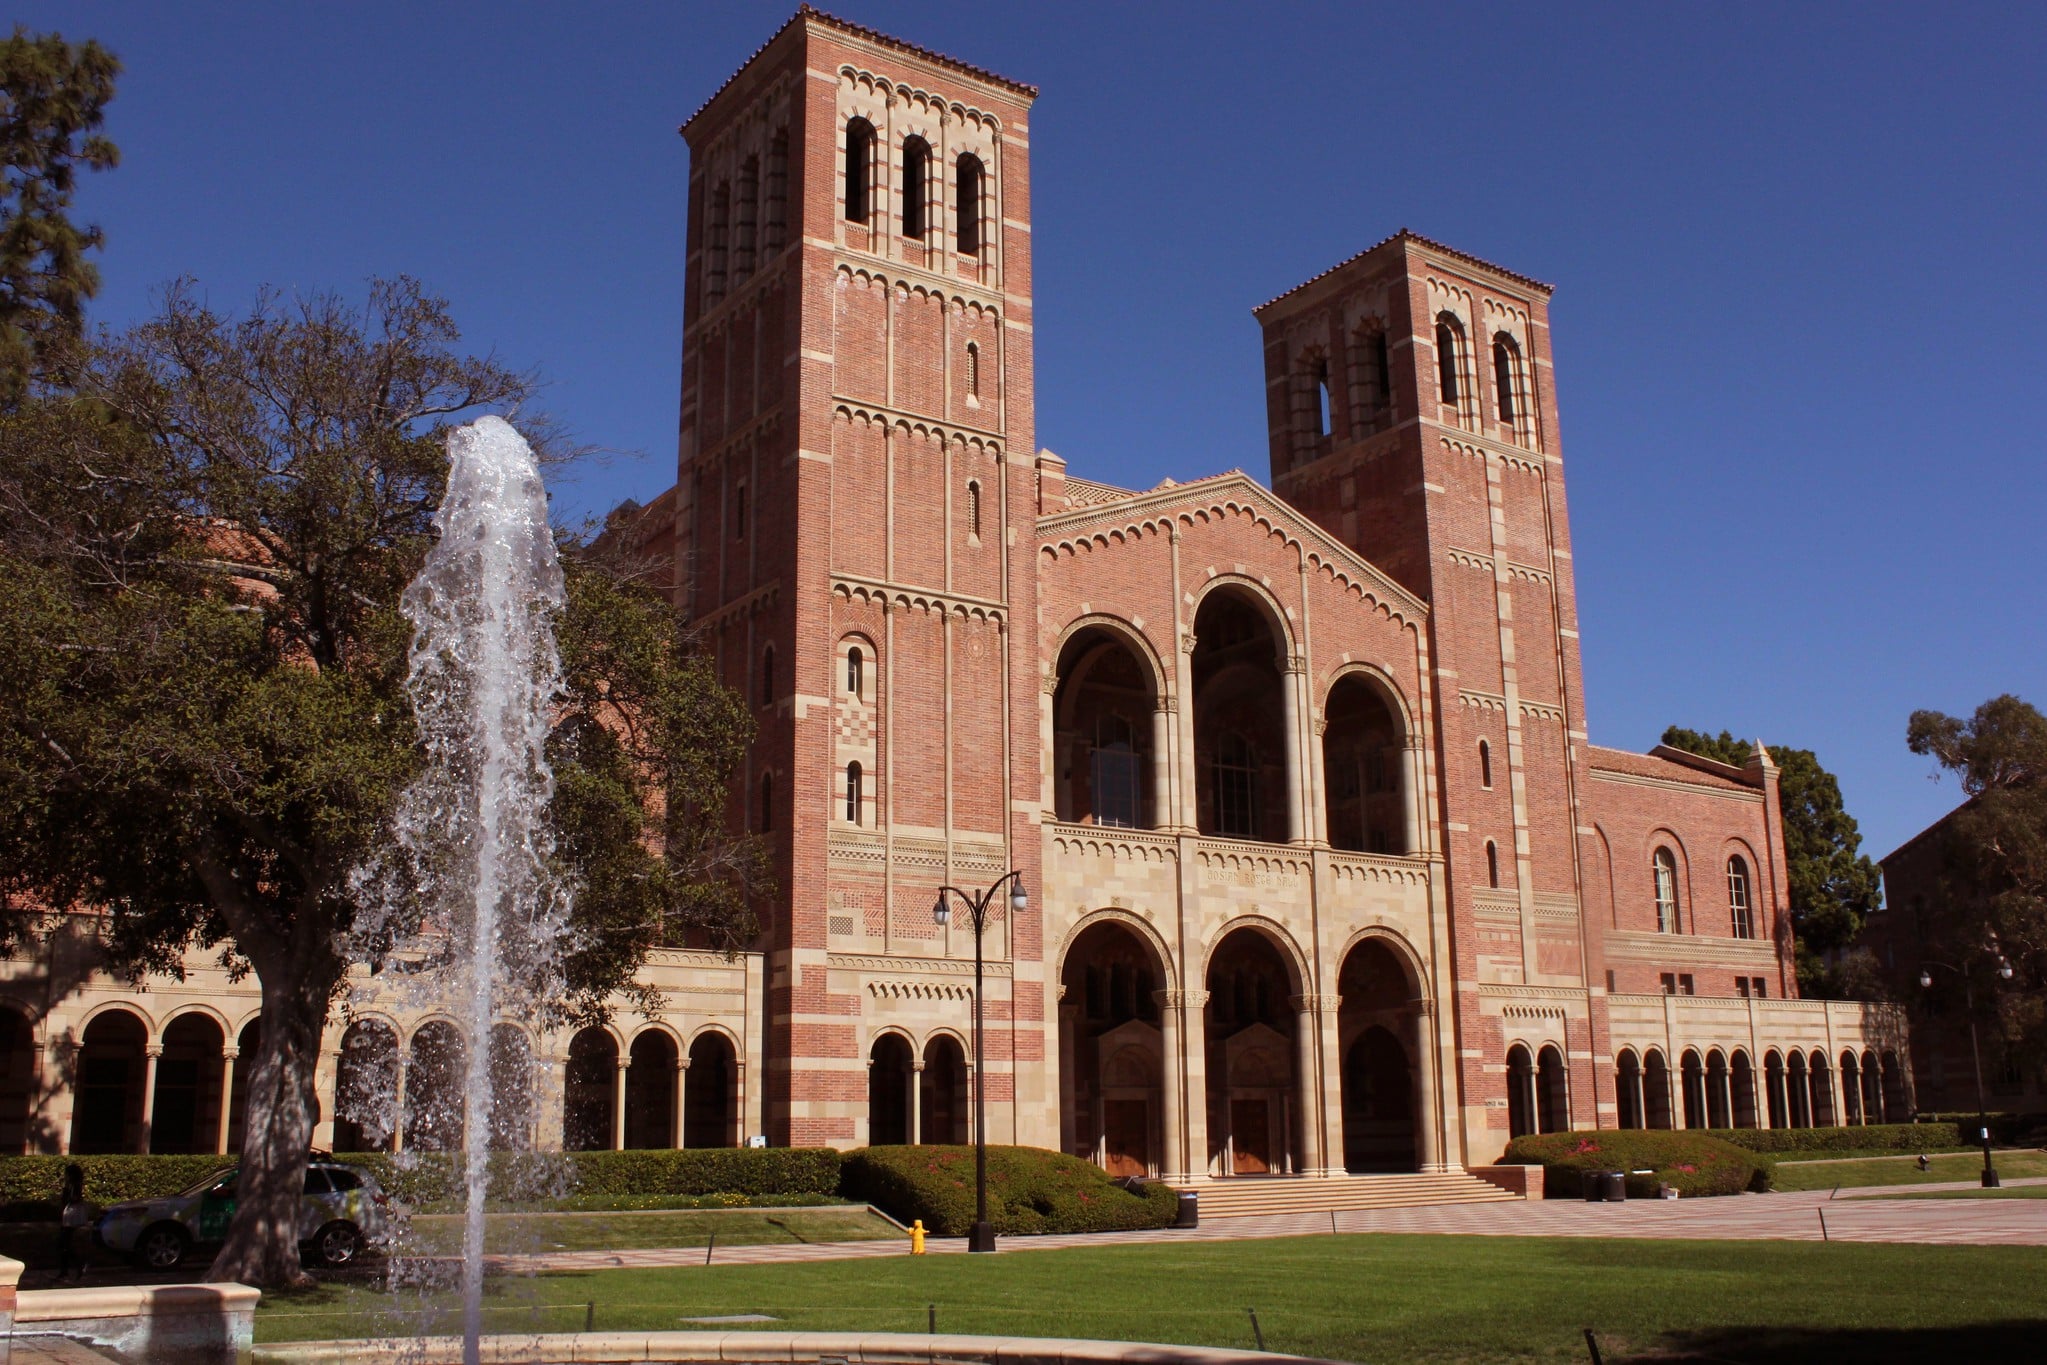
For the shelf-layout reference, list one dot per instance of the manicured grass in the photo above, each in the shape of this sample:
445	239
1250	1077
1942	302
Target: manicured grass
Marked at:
440	1235
1827	1175
1376	1298
2007	1192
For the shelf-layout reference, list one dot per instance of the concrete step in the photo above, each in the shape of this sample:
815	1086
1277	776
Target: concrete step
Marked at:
1254	1196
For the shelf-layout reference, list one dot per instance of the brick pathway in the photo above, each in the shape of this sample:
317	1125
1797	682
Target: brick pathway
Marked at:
1770	1217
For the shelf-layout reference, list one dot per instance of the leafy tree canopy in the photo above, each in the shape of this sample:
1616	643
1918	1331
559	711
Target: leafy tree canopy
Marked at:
52	95
1833	885
203	722
1991	898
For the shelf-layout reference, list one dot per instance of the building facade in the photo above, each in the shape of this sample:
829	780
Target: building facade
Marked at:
1325	873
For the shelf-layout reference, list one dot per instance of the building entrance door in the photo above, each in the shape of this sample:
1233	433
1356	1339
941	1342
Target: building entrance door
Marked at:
1126	1124
1250	1137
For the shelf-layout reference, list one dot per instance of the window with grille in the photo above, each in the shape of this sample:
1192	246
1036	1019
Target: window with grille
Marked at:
1738	899
916	187
973	372
967	184
1115	772
853	793
1235	771
1505	373
859	169
974	509
1667	911
1446	358
856	671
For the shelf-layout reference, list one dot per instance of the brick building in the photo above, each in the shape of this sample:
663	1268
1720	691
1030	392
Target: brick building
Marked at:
1325	872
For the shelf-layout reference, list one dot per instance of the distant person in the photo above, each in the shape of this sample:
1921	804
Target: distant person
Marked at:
1924	1162
74	1215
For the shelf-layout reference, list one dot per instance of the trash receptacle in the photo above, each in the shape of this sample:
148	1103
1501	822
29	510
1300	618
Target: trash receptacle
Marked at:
1615	1186
1189	1214
1592	1185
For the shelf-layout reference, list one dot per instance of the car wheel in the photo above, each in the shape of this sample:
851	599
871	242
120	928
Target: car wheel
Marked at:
338	1244
161	1247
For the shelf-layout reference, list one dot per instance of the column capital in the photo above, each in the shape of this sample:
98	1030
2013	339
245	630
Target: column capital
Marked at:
625	1063
917	1065
152	1050
682	1063
1314	1004
228	1054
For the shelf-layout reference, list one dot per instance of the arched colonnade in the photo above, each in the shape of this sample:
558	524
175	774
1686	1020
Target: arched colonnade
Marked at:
1723	1088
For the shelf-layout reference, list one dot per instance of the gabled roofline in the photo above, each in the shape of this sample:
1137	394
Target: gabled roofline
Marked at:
1670	753
1881	862
1139	504
851	29
1404	235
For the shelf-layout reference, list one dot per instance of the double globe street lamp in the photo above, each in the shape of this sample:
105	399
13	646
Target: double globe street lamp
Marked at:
982	1238
1990	1181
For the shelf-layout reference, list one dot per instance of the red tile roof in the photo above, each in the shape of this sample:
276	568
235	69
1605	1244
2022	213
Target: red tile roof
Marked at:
1623	761
1406	236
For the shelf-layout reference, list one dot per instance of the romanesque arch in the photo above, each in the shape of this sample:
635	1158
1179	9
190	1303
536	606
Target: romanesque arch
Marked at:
1628	1089
944	1103
1364	766
512	1083
366	1087
1383	1038
1253	980
652	1073
1244	717
192	1086
1112	1061
18	1082
589	1091
436	1076
1108	728
107	1107
891	1077
711	1092
1656	1108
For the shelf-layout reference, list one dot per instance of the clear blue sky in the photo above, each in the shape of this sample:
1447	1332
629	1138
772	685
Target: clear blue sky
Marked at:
1800	320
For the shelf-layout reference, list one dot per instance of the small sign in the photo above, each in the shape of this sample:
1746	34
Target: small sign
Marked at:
757	1140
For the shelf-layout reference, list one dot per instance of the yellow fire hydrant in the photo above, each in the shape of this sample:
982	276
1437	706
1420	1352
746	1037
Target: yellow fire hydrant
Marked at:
917	1238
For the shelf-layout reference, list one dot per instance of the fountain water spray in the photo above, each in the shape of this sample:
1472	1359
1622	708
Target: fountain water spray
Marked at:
468	892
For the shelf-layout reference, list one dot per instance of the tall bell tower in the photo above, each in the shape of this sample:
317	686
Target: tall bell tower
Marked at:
857	498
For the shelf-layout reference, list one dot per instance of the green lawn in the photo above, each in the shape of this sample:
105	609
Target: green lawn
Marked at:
441	1234
1827	1175
1377	1298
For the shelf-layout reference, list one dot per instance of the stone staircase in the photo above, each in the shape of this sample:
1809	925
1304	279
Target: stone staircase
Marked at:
1264	1196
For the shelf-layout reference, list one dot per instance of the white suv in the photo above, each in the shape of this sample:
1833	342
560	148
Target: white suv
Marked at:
341	1213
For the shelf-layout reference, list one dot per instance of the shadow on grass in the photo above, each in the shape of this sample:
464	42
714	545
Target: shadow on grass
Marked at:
1988	1342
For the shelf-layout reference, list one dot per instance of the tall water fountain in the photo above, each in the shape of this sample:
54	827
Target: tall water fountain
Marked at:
467	900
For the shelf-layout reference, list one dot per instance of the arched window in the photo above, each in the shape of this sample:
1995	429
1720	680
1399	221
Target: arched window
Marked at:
717	239
1446	357
1668	916
973	373
967	206
853	793
859	169
746	219
916	187
856	671
974	508
1485	765
739	510
1492	864
1505	371
1115	772
767	820
1236	787
1322	412
1737	898
1521	1097
774	234
768	676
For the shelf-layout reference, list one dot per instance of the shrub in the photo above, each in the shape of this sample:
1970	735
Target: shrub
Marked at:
26	1180
1030	1190
1891	1137
1692	1162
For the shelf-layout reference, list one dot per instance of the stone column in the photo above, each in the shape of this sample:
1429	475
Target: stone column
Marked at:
1190	786
917	1103
1293	683
625	1064
1173	1164
1161	766
1307	1084
681	1110
227	1098
150	1053
400	1068
1329	1038
1069	1078
1412	777
1428	1112
53	1065
1194	1050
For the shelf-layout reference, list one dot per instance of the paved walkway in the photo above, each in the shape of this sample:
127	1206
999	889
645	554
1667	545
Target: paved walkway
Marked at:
1805	1216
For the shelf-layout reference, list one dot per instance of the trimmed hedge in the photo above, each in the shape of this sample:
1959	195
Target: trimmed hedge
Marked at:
108	1179
1692	1162
1890	1137
1030	1190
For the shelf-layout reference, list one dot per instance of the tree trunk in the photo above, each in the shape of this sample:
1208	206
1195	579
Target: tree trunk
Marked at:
262	1246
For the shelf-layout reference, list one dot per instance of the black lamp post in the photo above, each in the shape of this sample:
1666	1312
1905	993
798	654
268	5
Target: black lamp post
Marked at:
982	1238
1990	1181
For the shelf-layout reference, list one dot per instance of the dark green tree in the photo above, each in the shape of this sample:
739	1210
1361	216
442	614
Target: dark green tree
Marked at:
1833	885
52	95
1992	893
203	722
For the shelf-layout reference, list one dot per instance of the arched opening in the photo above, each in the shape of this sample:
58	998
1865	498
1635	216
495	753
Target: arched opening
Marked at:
967	208
1851	1090
1448	335
1655	1089
1105	717
974	396
1363	753
17	1083
108	1105
1240	721
1799	1085
1822	1073
1521	1102
1692	1077
1740	913
711	1093
1111	1052
859	169
1250	1031
1628	1089
717	240
366	1088
1776	1091
916	187
1552	1090
1323	416
511	1090
589	1089
1485	765
1506	370
974	508
944	1103
856	671
189	1080
1492	865
247	1046
775	220
1744	1080
1896	1110
746	219
1719	1100
1381	1029
889	1078
1669	916
434	1084
856	792
650	1091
